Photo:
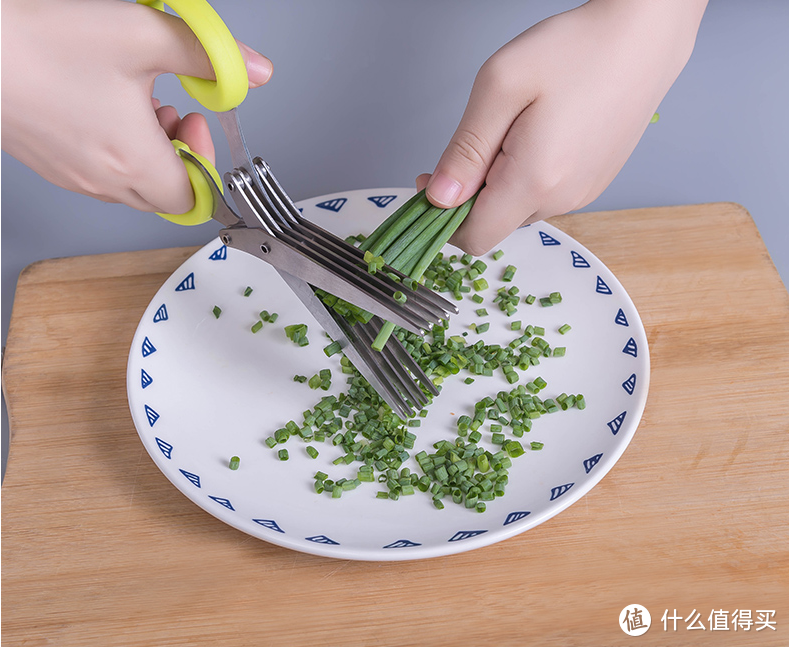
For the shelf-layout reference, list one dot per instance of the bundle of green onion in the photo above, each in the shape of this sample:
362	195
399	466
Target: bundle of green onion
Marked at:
406	241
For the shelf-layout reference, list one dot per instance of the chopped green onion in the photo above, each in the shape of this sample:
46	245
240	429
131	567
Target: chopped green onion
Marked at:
235	461
498	254
297	333
257	326
565	329
480	284
217	311
247	291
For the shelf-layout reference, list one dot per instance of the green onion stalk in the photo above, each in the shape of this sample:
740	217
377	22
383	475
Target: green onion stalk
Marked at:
407	241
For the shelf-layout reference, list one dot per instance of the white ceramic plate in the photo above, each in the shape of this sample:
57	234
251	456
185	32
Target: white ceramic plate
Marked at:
203	389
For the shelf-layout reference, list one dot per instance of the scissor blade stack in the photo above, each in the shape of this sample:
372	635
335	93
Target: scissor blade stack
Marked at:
328	262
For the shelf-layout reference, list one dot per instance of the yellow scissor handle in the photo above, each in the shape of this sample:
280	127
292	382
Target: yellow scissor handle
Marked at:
232	82
204	197
226	93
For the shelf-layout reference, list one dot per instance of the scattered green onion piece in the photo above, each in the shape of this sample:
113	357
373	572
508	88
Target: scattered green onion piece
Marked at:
217	311
257	326
480	284
247	291
565	329
235	461
498	254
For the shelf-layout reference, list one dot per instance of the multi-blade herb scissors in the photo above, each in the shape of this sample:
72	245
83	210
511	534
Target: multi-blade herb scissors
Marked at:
267	224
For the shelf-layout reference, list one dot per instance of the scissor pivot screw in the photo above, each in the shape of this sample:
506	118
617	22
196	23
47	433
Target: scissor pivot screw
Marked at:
226	239
265	249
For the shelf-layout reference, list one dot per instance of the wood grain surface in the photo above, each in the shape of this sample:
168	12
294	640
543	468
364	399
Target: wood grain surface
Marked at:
98	548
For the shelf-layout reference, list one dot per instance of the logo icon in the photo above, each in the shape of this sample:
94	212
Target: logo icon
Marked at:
635	620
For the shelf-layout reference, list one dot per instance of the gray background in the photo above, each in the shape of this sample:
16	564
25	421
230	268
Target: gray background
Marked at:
367	93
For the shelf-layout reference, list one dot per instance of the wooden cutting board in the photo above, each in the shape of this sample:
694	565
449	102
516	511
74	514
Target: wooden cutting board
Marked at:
99	548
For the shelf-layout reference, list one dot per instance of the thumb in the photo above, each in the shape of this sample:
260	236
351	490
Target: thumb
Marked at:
177	49
461	171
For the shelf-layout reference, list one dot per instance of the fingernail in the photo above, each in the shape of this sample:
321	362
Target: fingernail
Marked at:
442	190
259	68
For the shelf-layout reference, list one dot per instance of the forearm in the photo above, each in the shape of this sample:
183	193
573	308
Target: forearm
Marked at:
673	22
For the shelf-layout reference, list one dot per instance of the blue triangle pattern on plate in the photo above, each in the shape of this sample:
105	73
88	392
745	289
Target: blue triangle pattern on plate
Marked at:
161	314
219	254
602	288
620	318
222	501
194	479
322	539
147	347
152	415
145	379
187	284
512	517
557	491
270	524
333	205
629	384
548	240
460	535
402	543
616	424
631	348
578	260
167	448
382	201
589	463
